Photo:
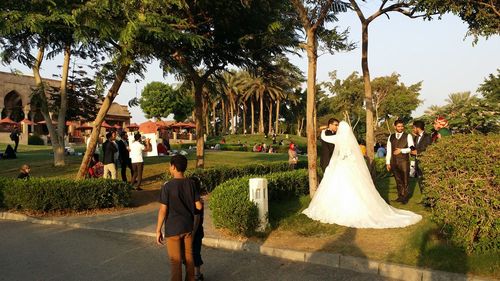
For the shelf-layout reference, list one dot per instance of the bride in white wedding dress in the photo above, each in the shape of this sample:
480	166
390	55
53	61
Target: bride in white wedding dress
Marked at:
347	195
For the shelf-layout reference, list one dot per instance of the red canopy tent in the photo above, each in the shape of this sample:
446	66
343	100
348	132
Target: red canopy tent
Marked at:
45	122
116	126
178	125
7	120
84	127
27	122
133	125
106	125
148	127
165	124
184	125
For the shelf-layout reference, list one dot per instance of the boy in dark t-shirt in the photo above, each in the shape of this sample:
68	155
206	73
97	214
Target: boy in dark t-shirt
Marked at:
179	199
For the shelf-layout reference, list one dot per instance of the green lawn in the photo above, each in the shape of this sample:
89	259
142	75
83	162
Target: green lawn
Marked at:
258	138
41	161
417	245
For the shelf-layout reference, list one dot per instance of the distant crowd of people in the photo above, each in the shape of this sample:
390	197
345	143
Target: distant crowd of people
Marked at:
118	152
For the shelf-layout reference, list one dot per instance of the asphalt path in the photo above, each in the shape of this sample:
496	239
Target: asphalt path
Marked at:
46	252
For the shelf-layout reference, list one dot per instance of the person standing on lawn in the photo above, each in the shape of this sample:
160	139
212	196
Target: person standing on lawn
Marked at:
109	150
124	156
397	160
136	149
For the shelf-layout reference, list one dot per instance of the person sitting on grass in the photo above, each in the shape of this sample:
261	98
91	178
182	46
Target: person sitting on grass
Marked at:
9	153
96	168
24	172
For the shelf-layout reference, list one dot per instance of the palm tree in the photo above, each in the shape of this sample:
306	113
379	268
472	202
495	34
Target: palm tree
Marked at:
459	99
433	110
275	93
259	87
232	86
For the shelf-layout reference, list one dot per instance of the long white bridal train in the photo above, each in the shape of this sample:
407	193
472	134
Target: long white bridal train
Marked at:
347	195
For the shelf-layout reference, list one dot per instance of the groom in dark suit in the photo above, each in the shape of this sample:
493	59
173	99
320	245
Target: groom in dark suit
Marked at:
327	148
422	140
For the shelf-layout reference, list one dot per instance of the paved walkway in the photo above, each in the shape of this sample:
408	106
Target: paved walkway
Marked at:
142	221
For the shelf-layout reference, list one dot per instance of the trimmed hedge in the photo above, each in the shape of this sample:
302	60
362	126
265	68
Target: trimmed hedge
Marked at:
230	202
35	140
3	184
461	184
41	194
212	177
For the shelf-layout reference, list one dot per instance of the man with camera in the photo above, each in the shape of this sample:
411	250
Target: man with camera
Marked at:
136	148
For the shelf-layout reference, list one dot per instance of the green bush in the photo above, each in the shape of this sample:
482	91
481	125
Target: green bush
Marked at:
461	184
212	177
380	168
180	146
40	194
35	140
232	209
230	205
3	184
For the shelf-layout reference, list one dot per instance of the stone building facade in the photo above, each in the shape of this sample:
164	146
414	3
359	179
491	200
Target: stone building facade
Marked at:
15	103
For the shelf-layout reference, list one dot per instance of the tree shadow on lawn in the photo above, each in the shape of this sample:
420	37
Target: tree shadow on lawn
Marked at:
387	189
427	248
286	215
419	245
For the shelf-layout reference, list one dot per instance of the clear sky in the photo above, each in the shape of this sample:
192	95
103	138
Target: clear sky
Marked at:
434	52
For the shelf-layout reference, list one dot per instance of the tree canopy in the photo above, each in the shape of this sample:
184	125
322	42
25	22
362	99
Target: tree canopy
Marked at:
482	16
159	100
391	99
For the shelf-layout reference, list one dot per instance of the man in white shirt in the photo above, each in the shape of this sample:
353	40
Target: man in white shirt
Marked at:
136	149
397	160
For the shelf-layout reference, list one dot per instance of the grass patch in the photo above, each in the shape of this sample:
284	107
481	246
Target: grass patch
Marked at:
417	245
41	161
258	138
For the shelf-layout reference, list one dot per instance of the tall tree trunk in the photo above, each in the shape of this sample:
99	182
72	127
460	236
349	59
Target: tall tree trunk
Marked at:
237	119
270	123
198	105
63	107
214	116
298	127
312	157
121	74
368	98
206	117
277	116
226	118
233	120
252	113
57	140
223	117
244	117
261	114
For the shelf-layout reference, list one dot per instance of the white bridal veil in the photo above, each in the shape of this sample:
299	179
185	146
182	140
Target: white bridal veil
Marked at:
347	195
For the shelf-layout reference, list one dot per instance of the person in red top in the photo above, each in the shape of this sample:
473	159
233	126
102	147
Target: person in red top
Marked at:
96	168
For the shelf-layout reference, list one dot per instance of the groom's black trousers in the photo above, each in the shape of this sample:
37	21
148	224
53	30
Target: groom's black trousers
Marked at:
400	166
